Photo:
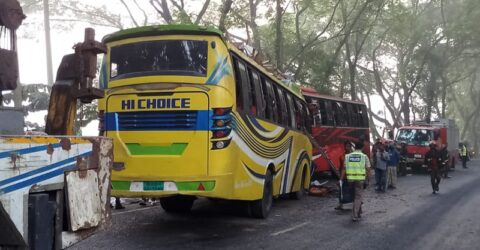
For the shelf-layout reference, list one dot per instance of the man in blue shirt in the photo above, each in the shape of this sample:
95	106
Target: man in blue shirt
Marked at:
392	163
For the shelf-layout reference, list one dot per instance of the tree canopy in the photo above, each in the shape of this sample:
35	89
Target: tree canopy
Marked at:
418	57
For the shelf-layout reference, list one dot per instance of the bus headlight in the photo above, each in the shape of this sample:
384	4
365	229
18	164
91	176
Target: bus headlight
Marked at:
219	144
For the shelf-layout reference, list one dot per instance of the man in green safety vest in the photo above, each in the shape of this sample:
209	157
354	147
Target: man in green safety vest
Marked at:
357	171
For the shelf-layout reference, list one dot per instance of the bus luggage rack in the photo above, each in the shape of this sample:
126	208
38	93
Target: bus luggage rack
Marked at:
158	120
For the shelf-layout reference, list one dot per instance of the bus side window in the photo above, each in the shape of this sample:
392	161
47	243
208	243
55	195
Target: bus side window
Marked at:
323	112
271	108
340	116
364	116
299	116
330	121
242	85
307	118
314	111
353	114
282	106
291	111
258	107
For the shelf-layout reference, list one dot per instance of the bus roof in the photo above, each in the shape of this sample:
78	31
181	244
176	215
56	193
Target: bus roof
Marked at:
263	70
180	29
155	30
307	91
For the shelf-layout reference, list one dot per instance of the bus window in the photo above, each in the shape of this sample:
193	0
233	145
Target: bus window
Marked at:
282	106
307	118
314	111
364	116
257	108
291	111
340	114
299	116
352	110
329	113
243	85
270	108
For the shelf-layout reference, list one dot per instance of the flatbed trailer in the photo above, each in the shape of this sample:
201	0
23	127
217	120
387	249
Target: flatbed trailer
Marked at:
54	190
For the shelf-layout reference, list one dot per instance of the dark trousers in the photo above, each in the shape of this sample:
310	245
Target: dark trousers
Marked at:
445	170
464	161
380	178
435	179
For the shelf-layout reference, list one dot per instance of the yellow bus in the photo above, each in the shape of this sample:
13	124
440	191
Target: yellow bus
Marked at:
192	116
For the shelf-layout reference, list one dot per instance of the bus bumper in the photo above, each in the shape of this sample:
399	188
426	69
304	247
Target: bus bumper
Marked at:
222	187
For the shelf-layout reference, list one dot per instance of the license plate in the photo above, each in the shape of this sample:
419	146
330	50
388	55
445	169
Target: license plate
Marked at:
418	156
152	185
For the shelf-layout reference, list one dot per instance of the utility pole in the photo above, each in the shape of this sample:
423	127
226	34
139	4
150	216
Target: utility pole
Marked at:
48	43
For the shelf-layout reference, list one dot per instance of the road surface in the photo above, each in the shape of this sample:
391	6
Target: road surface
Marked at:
409	217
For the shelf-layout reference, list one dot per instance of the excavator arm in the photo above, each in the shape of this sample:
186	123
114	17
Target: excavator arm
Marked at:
74	82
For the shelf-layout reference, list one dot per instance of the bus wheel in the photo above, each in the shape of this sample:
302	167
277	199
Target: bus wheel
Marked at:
177	204
300	194
261	208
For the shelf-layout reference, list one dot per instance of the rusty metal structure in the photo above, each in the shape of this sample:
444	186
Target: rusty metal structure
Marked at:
11	17
74	82
54	190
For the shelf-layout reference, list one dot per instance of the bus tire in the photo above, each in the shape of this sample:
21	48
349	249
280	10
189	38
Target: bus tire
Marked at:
261	208
177	204
302	192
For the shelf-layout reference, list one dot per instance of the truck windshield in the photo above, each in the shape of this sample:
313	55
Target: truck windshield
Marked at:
415	136
165	57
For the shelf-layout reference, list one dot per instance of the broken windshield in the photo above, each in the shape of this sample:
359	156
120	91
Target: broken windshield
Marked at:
415	136
166	57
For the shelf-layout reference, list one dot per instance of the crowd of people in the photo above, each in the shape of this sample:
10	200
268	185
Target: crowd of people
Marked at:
386	161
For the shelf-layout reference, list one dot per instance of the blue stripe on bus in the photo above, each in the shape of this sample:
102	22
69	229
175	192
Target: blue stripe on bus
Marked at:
203	122
257	124
42	169
220	70
37	179
214	72
26	150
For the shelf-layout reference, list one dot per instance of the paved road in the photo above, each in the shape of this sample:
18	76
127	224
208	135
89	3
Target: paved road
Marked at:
409	217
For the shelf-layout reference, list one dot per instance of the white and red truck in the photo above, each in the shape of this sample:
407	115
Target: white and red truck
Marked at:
417	137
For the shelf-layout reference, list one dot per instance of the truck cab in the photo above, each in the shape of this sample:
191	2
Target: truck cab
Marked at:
419	135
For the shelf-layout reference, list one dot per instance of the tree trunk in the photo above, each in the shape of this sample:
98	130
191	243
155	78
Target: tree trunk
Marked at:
254	26
48	43
227	5
279	35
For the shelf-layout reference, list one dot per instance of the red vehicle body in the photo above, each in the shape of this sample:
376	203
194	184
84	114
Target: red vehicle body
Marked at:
417	138
335	121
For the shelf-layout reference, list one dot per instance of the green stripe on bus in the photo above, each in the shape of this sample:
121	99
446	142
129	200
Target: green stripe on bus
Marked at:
174	149
121	185
193	185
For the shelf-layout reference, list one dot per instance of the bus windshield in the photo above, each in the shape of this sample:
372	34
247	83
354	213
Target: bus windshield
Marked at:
163	57
415	136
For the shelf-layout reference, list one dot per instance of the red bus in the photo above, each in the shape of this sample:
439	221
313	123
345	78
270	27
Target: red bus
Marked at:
335	121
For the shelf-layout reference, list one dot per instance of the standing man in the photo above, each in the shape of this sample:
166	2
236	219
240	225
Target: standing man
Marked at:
432	161
463	155
444	161
357	171
380	158
394	159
